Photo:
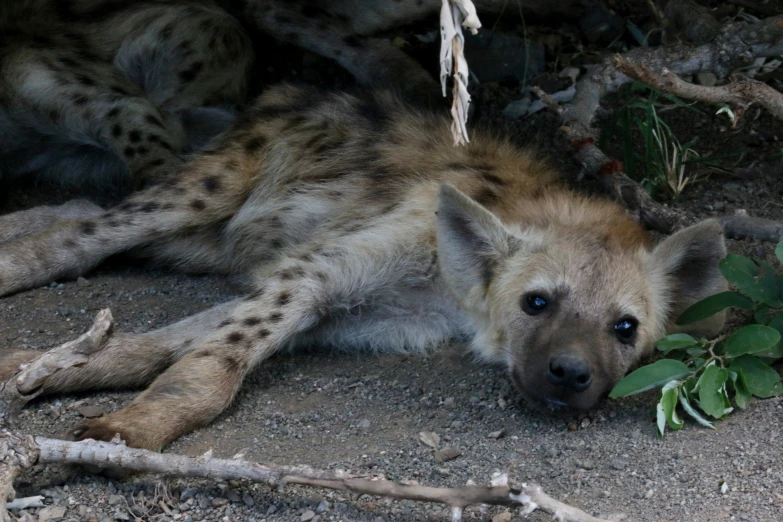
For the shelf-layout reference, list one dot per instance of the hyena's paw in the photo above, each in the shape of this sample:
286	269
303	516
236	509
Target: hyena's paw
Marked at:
105	428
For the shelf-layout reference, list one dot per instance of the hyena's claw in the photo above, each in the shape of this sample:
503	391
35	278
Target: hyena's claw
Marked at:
95	429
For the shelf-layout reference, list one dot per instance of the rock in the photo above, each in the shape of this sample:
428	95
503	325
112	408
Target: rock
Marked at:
248	500
364	424
446	454
219	501
497	434
51	513
584	464
443	472
515	110
495	56
90	412
322	506
233	496
188	493
449	401
600	24
569	72
618	464
307	515
706	78
80	281
115	499
430	438
502	517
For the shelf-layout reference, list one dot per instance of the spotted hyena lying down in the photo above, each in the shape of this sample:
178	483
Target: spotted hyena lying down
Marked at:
360	226
111	90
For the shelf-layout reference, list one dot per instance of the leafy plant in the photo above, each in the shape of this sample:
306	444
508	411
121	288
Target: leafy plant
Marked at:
662	163
707	378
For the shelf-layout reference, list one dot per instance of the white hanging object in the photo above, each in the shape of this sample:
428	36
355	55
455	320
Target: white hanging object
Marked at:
454	15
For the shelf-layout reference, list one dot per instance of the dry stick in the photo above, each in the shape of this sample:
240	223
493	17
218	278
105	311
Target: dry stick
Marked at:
28	382
20	452
43	450
742	92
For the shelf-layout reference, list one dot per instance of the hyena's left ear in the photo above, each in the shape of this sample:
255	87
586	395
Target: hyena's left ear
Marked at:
687	262
471	242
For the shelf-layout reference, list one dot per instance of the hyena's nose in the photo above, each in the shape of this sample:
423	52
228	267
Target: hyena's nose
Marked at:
571	371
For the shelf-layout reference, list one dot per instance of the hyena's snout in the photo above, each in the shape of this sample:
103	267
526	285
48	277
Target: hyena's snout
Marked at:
570	372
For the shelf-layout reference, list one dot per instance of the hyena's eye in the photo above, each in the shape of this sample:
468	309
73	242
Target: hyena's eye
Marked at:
625	330
534	304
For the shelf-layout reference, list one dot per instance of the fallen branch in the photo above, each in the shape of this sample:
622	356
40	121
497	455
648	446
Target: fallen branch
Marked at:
27	384
22	452
742	92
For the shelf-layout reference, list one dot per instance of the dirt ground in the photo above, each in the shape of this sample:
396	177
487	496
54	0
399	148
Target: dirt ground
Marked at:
364	413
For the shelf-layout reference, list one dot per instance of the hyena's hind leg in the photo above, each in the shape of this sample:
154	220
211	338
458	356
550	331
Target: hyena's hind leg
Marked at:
127	360
37	219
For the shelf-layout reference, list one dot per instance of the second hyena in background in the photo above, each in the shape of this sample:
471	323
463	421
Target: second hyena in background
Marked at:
360	226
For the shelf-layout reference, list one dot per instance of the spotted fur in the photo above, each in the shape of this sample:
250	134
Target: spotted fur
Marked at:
360	226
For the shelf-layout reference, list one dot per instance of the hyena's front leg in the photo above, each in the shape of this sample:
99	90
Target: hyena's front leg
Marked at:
127	360
297	296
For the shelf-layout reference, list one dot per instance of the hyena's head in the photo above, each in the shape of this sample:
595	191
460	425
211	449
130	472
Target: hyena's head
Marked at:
575	297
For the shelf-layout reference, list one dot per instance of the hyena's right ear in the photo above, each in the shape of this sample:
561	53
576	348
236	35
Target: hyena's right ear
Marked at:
471	242
687	264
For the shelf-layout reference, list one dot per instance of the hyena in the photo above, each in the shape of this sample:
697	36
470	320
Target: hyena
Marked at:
111	89
360	226
108	89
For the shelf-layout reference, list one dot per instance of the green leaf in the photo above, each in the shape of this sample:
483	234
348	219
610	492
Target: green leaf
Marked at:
776	352
714	304
660	418
751	339
742	394
690	410
758	283
762	314
712	392
675	342
669	395
779	251
760	378
649	377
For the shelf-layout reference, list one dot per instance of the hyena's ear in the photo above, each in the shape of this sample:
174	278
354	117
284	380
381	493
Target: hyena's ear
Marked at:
688	263
471	242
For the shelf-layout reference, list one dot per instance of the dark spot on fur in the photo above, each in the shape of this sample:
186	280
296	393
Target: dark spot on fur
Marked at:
255	294
235	337
116	130
198	204
87	228
129	152
113	112
284	298
134	136
252	321
263	333
486	197
119	90
150	206
276	317
211	183
291	273
142	150
231	364
189	74
254	144
85	80
79	99
225	323
491	178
